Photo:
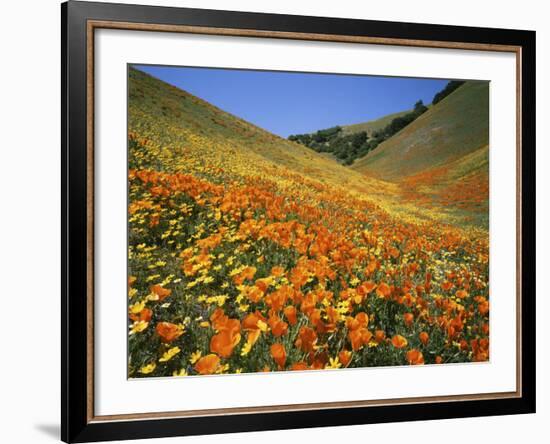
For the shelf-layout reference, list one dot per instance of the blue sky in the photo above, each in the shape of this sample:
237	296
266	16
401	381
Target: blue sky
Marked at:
287	103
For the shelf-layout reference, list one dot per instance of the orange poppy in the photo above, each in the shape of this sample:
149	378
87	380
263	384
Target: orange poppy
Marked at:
356	339
207	364
415	357
408	318
161	292
277	271
366	335
278	326
253	293
362	318
247	273
290	313
345	357
379	336
278	298
424	337
299	366
461	294
218	318
262	284
250	322
446	286
383	290
306	339
399	341
224	342
366	287
144	315
372	267
279	354
168	332
483	307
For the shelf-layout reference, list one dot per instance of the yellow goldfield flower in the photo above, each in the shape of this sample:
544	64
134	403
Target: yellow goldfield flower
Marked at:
180	372
235	271
138	327
149	368
246	348
262	326
169	354
244	307
137	307
152	297
195	356
222	368
333	363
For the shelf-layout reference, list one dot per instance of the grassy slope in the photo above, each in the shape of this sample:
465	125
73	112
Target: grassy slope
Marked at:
372	125
456	126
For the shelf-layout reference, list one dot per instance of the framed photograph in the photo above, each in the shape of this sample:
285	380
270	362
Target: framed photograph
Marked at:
275	221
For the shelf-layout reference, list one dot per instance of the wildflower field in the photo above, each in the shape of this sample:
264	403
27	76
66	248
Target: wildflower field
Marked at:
250	253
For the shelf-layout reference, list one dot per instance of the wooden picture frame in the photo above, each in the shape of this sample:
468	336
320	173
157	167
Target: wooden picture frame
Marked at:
79	22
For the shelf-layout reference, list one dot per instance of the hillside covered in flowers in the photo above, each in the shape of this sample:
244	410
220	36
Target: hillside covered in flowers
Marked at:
250	253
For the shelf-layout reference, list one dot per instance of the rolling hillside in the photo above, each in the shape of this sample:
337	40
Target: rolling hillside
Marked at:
372	125
455	127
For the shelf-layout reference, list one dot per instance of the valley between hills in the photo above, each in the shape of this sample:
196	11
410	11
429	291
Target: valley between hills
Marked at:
250	252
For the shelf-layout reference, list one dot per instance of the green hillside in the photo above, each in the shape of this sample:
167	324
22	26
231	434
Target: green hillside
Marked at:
372	125
455	127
